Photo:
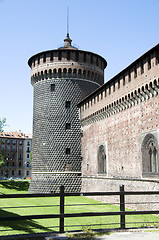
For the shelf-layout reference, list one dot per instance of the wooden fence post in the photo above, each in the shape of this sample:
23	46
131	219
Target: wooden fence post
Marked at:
122	207
62	202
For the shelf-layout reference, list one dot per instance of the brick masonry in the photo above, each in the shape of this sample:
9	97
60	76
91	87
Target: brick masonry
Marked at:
120	115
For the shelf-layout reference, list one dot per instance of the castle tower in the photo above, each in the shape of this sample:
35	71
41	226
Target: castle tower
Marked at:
61	78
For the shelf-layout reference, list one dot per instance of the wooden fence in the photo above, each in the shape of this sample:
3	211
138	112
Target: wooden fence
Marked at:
62	215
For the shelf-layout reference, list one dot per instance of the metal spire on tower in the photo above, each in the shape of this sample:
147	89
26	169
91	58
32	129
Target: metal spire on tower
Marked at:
68	21
67	40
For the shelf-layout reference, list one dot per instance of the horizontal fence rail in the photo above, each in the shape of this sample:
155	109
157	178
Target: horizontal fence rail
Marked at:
62	215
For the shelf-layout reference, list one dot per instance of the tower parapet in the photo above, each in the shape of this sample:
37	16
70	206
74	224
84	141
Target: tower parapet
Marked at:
67	62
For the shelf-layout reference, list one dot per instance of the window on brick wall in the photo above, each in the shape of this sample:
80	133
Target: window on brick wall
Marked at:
68	104
101	159
109	90
149	63
68	151
129	76
157	56
68	125
150	160
118	83
123	80
142	67
135	72
114	87
52	87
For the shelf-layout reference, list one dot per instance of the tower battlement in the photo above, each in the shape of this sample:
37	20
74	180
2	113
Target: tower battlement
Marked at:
67	62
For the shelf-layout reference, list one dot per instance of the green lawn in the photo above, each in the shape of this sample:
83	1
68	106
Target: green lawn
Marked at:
36	206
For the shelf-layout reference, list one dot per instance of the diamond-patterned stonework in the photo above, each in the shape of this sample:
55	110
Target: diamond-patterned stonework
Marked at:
52	165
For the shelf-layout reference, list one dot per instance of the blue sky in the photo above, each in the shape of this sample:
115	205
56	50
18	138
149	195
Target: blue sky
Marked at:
120	31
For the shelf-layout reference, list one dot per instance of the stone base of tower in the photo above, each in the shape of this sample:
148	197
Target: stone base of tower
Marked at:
51	182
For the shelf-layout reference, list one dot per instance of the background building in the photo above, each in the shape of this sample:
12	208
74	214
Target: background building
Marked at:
16	147
61	78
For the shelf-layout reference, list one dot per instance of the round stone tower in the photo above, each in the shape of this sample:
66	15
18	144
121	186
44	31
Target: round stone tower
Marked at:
61	78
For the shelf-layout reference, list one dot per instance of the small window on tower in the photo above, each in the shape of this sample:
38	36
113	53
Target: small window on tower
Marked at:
68	125
68	104
68	150
51	57
68	55
84	57
77	56
52	87
44	58
59	55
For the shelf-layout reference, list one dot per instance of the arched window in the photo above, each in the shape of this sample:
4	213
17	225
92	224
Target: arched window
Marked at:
65	72
88	75
69	72
84	73
149	150
54	73
79	73
50	73
92	77
75	73
101	159
59	73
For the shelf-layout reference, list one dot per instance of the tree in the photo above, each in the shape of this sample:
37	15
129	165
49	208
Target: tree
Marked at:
2	124
2	158
2	154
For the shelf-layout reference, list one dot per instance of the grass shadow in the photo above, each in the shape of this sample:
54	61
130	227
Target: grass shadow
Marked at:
27	226
16	185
